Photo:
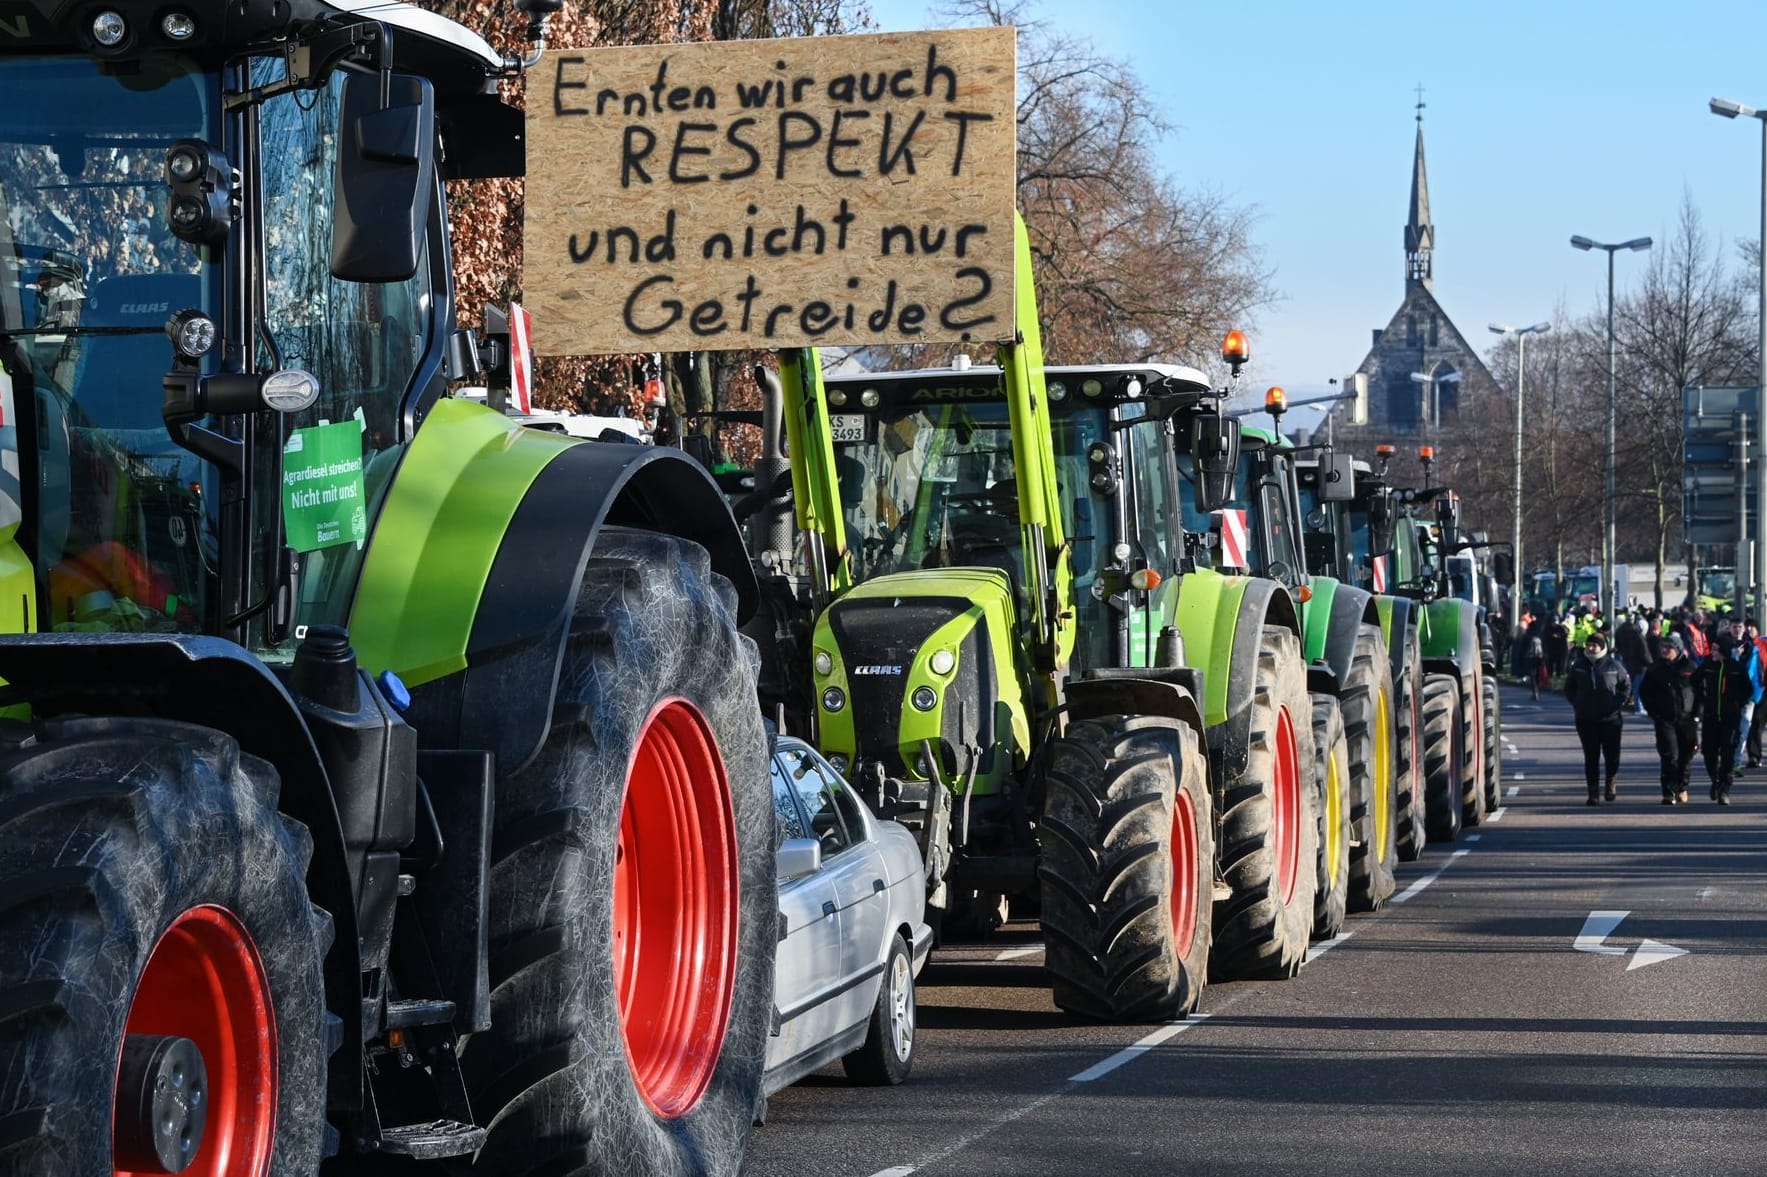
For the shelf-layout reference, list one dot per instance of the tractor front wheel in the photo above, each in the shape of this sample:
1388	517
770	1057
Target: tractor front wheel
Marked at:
1443	755
1268	828
1127	868
633	897
1332	807
160	978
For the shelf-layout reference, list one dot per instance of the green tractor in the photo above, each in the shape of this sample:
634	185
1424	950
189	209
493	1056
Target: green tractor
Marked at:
1350	675
1011	654
1352	539
383	785
1462	739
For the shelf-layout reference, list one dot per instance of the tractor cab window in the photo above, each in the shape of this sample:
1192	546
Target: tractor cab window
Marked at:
365	341
121	524
1273	520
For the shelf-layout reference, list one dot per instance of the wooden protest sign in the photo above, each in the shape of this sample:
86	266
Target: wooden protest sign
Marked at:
809	191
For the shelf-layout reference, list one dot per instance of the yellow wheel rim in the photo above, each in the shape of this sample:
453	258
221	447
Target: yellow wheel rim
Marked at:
1383	774
1334	816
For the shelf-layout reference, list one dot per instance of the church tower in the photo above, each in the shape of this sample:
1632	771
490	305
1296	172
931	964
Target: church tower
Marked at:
1419	370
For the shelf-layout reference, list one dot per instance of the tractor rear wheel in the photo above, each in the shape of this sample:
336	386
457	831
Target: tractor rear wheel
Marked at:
1472	745
1332	805
1268	828
633	897
155	925
1408	756
1493	745
1442	756
1128	867
1367	703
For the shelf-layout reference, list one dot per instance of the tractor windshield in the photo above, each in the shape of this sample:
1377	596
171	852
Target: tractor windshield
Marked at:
933	486
121	527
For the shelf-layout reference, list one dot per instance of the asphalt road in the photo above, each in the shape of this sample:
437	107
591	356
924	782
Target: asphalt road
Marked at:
1458	1031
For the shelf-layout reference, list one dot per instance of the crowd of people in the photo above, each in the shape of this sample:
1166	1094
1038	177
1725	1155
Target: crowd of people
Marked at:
1699	678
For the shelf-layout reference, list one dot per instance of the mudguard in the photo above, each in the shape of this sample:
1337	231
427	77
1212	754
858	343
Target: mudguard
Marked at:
1334	620
1449	638
1397	615
472	571
215	683
1222	619
1174	693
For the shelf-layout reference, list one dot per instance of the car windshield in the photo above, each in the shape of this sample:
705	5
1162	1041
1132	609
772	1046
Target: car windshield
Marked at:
1718	584
89	274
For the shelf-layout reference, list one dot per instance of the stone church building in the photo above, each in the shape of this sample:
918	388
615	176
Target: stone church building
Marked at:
1420	370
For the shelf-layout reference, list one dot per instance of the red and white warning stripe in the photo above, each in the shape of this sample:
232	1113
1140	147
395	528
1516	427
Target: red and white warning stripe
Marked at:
1234	545
521	358
1379	564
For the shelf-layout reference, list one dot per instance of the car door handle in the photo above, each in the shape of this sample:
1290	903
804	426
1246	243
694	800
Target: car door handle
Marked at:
828	907
877	887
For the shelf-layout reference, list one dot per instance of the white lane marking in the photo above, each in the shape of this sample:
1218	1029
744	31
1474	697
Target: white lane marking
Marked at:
1016	953
896	1171
1597	928
1520	777
1474	837
1514	789
1704	893
1325	946
1130	1053
1416	889
1653	952
1496	815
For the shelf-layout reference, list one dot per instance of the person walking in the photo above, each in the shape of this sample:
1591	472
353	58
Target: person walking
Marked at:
1534	660
1558	636
1632	651
1753	739
1724	687
1671	699
1600	691
1744	652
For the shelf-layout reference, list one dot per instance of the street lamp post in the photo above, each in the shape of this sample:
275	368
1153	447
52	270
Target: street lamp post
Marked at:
1607	537
1730	110
1432	411
1521	374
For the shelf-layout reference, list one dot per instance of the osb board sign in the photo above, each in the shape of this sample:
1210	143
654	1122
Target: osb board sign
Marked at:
761	194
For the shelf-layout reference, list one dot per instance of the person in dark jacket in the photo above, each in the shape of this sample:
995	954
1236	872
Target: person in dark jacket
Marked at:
1600	691
1630	648
1670	698
1724	686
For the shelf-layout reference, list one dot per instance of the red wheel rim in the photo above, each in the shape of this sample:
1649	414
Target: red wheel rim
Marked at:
1287	804
675	908
204	981
1184	872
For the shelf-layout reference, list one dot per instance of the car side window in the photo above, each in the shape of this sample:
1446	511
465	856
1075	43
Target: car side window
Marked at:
789	821
816	793
848	806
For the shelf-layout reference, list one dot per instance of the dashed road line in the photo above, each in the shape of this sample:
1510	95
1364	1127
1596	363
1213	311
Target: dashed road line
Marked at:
1474	837
1496	815
1514	789
1018	953
894	1171
1416	889
1130	1053
1320	949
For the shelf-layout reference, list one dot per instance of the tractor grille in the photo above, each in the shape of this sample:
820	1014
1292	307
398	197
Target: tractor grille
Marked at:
879	633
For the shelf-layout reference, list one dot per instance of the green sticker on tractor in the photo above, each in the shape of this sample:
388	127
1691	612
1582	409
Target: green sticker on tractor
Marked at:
322	497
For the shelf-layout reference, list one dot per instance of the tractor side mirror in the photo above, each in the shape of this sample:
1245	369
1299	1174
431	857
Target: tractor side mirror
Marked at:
1503	567
1337	478
385	172
1321	548
1214	448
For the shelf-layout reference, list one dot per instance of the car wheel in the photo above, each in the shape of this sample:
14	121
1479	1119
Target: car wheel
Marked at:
888	1053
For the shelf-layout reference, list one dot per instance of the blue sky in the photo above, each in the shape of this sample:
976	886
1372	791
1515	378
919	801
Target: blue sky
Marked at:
1544	120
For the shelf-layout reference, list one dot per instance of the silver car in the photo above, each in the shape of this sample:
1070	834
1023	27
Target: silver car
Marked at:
852	934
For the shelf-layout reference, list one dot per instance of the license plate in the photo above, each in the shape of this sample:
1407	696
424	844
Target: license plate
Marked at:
847	426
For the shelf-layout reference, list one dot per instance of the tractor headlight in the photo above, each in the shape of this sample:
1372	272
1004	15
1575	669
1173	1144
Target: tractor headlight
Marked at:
943	662
109	29
193	333
824	663
178	26
924	698
833	699
838	761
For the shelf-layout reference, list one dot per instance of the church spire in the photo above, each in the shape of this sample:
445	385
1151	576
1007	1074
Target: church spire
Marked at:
1420	235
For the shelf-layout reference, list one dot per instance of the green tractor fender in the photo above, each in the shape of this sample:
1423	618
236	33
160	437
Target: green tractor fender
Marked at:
1334	619
1398	616
214	683
474	564
1449	638
1222	619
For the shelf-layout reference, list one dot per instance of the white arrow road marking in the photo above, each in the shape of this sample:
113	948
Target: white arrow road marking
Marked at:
1597	928
1653	952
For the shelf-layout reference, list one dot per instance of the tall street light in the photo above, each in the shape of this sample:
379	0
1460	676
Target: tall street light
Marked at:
1521	373
1730	110
1607	538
